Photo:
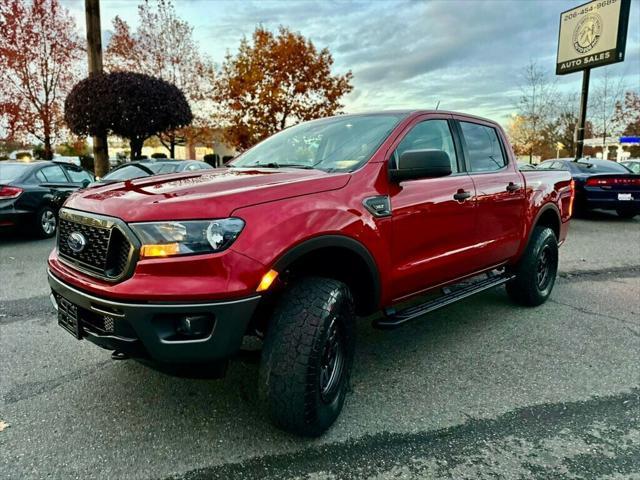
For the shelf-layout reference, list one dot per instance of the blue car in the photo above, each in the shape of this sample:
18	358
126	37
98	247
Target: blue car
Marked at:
601	184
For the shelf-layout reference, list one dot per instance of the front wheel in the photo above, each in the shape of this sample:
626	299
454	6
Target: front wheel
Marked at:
307	356
535	273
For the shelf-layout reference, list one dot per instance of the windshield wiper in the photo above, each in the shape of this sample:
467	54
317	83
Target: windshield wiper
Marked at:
259	165
277	165
297	165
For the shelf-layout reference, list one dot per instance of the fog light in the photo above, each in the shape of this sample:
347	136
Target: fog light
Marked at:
195	325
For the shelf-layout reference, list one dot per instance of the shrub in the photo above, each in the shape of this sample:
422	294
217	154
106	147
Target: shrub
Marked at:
130	105
158	155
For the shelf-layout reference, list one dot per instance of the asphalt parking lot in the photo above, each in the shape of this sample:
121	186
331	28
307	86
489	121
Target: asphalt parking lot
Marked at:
483	389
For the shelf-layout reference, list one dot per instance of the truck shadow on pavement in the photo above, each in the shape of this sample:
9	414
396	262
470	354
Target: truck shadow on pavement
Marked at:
232	402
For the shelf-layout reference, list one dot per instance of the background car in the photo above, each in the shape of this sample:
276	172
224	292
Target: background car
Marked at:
602	184
632	164
526	166
146	168
31	193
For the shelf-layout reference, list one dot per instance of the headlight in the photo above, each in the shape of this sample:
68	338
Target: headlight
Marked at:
162	239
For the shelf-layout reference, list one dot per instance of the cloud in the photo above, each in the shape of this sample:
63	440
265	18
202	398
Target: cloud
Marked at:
467	54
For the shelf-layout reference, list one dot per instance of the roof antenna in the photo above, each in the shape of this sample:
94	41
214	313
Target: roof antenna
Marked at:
437	104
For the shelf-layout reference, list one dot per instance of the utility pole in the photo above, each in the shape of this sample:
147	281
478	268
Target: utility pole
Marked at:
94	50
582	115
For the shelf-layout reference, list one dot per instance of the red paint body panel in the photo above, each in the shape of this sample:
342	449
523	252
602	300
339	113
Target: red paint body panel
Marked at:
430	238
214	194
215	276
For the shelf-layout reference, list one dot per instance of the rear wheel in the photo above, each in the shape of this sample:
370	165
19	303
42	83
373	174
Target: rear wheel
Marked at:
307	356
626	213
46	223
537	269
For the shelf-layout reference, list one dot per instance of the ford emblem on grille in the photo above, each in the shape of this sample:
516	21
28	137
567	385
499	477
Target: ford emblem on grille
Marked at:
76	242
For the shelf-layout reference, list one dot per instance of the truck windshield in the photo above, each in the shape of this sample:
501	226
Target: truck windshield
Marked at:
331	144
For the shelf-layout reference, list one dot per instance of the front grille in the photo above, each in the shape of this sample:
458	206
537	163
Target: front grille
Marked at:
106	252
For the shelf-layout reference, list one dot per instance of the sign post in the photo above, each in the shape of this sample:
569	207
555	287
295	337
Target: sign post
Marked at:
591	35
582	114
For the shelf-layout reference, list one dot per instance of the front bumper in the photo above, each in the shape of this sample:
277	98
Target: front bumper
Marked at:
150	330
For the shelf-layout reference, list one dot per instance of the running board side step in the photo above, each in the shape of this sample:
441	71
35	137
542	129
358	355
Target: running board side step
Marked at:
451	294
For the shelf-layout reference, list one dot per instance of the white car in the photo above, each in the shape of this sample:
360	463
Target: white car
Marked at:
632	164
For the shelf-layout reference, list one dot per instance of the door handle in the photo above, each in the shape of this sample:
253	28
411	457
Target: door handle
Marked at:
513	187
462	195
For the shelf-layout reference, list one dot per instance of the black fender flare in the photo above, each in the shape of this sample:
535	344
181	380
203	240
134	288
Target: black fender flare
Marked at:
339	241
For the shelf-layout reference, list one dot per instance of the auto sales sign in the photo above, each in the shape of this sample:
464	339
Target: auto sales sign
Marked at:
592	35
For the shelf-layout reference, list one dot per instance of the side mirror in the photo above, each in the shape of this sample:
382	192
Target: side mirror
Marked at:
415	164
86	183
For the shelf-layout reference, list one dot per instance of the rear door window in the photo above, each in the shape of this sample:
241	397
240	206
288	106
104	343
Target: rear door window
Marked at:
483	147
54	174
78	175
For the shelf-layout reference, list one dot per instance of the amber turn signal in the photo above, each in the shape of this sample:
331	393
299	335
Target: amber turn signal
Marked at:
267	280
164	250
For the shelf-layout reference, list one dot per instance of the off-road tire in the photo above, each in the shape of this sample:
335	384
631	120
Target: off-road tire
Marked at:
531	287
626	213
45	214
293	366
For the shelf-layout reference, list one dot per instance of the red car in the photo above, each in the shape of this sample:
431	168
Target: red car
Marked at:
323	222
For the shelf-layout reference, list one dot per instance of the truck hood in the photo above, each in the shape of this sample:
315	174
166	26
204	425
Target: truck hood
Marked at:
207	194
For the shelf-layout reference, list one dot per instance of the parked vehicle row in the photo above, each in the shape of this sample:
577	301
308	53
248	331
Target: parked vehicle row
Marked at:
322	222
601	184
31	193
148	167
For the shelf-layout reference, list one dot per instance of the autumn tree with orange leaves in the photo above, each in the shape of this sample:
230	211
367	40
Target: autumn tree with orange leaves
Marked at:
39	63
163	46
275	81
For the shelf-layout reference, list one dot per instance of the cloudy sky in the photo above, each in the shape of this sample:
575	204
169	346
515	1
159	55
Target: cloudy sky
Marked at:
466	54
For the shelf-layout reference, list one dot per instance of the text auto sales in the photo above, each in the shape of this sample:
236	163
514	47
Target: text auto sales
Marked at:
585	60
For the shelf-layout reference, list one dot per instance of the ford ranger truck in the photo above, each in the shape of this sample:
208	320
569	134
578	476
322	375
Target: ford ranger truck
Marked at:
398	212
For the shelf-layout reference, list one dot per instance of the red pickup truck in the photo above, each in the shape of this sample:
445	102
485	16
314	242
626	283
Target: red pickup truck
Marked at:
395	212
